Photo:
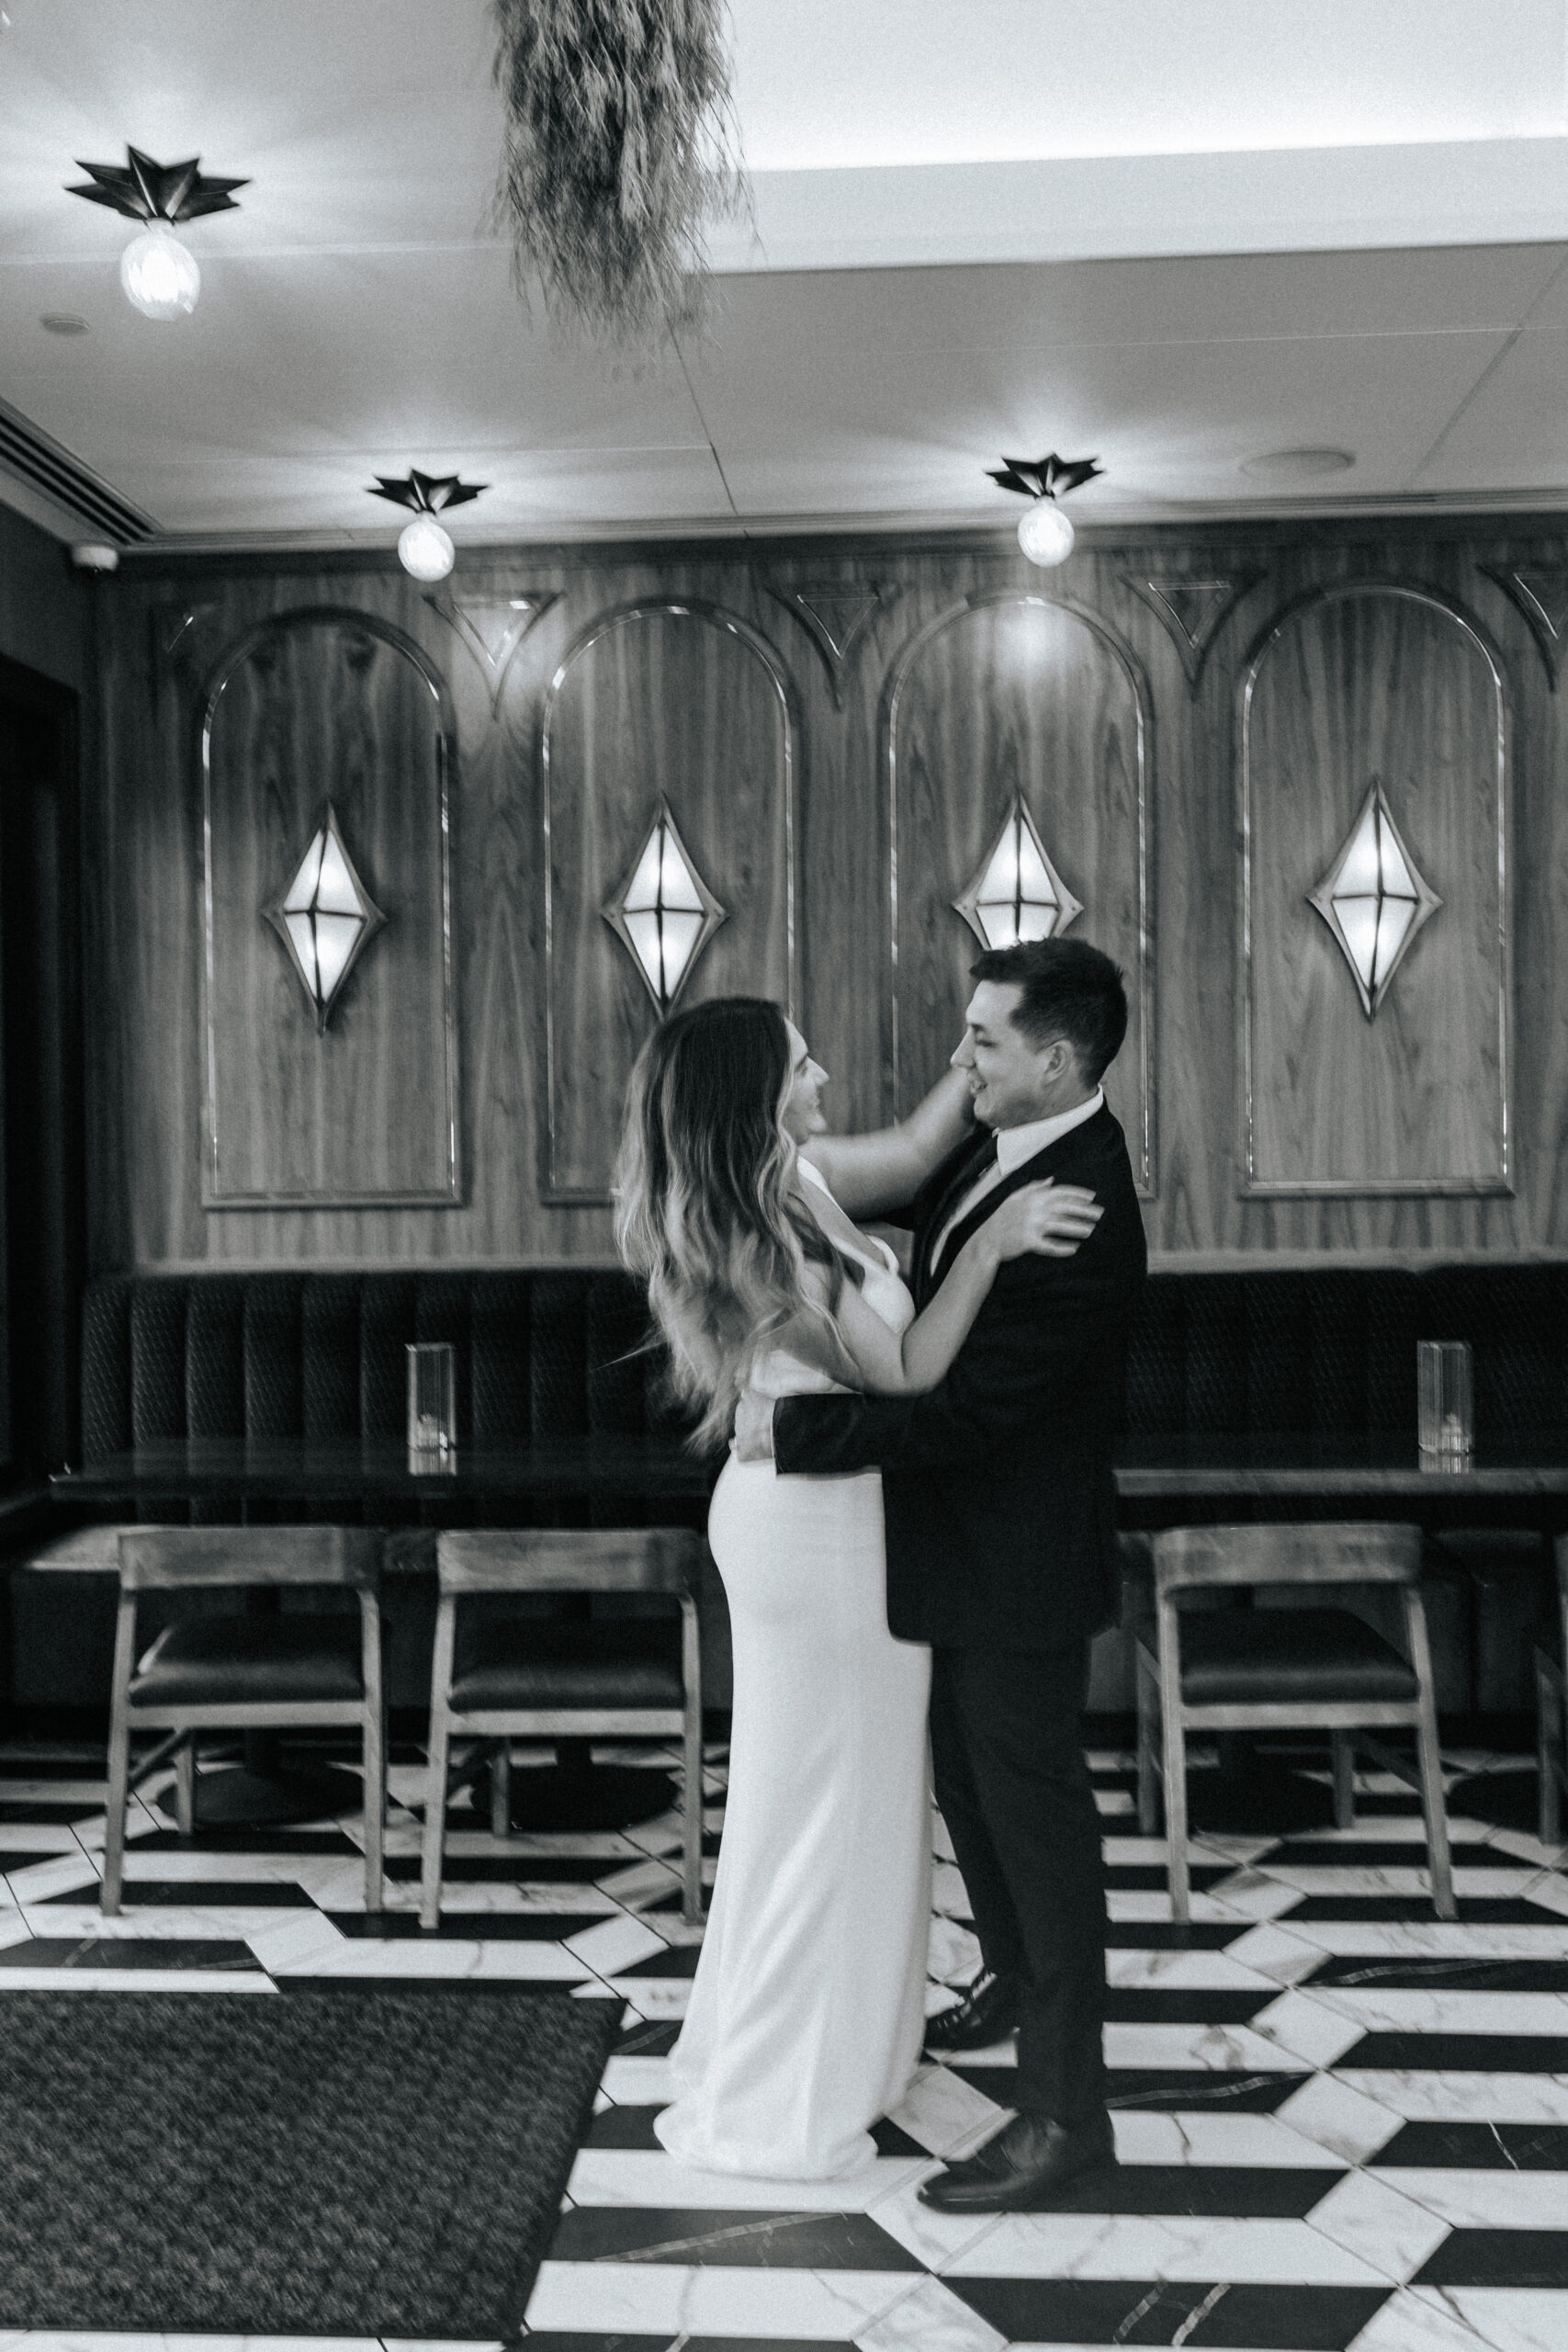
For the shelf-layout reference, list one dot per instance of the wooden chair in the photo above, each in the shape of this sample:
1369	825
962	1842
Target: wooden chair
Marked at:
1552	1712
256	1673
1286	1669
538	1679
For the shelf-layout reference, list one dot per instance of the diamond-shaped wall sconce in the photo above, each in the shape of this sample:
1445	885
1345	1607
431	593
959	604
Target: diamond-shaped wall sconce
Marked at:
325	917
664	914
1018	893
1374	901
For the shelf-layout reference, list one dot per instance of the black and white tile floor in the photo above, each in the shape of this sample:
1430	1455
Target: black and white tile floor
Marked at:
1341	2123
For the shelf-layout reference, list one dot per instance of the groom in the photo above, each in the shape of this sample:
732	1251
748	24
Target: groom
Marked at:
1001	1547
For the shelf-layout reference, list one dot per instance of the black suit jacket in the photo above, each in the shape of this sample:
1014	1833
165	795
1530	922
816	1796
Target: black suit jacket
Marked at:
999	1502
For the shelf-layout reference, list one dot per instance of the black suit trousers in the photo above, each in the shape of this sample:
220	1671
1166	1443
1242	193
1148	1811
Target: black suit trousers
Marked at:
1014	1789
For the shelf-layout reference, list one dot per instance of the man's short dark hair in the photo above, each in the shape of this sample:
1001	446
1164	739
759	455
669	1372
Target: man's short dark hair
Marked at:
1071	990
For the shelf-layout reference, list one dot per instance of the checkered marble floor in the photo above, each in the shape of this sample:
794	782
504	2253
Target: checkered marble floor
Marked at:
1342	2125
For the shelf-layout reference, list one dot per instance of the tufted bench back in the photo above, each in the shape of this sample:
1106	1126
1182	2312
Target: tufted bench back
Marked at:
539	1355
549	1354
1331	1351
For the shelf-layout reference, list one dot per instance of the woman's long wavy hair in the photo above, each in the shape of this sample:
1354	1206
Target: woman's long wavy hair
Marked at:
703	1199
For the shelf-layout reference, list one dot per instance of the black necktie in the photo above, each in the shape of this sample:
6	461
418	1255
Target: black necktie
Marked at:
981	1161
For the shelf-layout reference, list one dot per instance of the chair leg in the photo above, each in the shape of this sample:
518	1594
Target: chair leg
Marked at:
1344	1753
1181	1876
117	1796
1148	1755
501	1789
373	1751
184	1786
435	1838
433	1844
1429	1757
1174	1746
1551	1746
1435	1813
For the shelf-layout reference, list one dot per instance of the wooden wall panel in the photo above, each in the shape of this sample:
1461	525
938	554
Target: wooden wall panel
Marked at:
670	702
143	841
1000	696
1365	683
315	708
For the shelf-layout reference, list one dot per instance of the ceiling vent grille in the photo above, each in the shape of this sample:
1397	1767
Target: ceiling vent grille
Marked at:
25	451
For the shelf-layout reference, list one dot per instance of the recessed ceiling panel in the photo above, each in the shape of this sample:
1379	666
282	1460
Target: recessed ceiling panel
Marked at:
1514	433
802	427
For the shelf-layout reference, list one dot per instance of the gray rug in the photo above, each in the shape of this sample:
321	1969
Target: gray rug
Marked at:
335	2163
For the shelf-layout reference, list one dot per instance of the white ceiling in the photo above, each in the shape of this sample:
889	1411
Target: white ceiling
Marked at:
1176	237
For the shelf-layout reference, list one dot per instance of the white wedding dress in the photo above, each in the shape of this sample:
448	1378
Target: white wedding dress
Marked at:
808	2009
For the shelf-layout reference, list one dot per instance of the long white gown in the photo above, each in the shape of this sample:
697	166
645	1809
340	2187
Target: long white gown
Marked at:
807	2008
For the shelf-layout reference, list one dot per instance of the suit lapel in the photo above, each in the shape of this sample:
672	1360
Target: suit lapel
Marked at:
963	1170
1033	1171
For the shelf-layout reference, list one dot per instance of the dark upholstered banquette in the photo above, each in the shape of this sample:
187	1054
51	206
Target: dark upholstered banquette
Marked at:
539	1355
549	1353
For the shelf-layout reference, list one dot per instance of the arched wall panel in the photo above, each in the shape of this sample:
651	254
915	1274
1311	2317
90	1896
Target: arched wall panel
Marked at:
1391	683
317	706
687	704
1010	695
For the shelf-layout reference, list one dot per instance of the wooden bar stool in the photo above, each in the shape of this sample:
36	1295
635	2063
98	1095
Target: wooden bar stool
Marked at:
1286	1669
539	1679
256	1673
1551	1710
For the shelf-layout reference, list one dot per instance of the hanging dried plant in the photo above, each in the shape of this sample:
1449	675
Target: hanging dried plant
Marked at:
620	147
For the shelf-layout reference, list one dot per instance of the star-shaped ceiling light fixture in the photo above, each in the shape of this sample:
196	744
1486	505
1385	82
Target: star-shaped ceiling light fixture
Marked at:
664	913
1018	893
325	917
425	549
160	277
1374	901
1044	531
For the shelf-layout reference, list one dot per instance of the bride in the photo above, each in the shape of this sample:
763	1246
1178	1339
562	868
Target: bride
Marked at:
807	2012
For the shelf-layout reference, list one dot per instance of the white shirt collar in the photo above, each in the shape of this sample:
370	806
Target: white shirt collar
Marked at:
1015	1144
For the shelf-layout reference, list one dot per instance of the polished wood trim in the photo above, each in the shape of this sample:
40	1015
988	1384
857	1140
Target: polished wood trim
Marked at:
1249	1185
213	1194
900	671
554	1189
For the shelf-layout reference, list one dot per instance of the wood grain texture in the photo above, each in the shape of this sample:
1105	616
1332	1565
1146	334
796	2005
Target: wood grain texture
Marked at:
142	845
309	708
686	704
1366	683
1008	694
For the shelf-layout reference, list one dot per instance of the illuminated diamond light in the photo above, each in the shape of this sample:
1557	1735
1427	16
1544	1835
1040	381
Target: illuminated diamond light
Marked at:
1374	901
664	913
325	916
1018	893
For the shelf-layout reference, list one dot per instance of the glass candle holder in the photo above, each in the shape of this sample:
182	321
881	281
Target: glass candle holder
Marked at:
433	1405
1445	1416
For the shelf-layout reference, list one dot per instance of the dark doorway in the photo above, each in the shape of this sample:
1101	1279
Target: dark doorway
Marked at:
43	1195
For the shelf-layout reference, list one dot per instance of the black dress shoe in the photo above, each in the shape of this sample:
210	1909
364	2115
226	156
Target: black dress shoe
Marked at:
1023	2170
988	2013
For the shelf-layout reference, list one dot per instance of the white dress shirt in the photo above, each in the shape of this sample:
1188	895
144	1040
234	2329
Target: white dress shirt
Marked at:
1014	1146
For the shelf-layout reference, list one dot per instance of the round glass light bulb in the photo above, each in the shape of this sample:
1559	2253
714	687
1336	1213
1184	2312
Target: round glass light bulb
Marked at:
426	549
1044	532
158	274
